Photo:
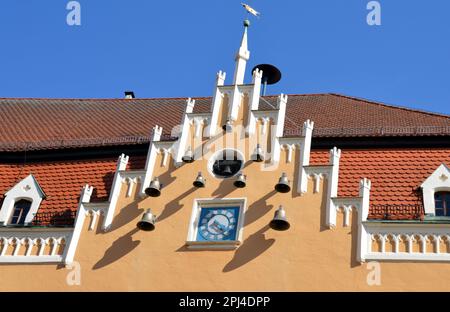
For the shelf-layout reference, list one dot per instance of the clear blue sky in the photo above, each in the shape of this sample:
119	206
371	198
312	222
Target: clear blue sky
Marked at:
174	48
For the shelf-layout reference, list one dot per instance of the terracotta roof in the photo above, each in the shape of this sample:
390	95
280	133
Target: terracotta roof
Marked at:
62	181
396	175
37	124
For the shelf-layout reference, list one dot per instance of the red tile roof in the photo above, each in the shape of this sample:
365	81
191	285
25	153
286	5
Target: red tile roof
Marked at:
36	124
62	181
396	175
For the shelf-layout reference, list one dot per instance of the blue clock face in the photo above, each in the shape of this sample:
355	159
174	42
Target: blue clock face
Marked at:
218	224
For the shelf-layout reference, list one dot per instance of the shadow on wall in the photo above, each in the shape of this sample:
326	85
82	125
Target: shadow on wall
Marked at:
119	249
354	239
255	245
126	215
295	181
323	207
166	178
258	209
225	188
174	205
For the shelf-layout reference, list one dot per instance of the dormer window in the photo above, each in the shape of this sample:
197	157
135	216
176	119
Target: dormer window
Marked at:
21	202
436	190
442	204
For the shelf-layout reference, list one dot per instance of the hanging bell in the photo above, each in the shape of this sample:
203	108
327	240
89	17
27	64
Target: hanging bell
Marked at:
240	181
188	157
283	184
279	221
200	181
154	190
228	127
258	155
147	222
227	171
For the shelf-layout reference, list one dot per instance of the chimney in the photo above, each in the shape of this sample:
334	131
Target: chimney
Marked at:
129	95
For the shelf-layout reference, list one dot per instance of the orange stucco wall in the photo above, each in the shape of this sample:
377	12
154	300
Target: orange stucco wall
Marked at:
307	257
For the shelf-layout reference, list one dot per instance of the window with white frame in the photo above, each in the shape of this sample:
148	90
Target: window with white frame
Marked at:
20	212
216	223
435	192
442	204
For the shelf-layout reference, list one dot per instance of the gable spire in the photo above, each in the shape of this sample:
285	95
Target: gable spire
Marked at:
242	57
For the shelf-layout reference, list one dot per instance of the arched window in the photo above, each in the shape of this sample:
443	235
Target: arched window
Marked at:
442	204
20	212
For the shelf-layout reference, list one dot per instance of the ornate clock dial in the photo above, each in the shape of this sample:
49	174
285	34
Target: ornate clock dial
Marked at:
218	224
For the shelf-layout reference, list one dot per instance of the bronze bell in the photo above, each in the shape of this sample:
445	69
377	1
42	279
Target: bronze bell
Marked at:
188	157
200	181
227	171
154	190
258	155
228	127
283	184
147	222
279	221
240	181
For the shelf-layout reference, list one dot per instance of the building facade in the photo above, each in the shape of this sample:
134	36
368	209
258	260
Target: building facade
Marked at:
237	191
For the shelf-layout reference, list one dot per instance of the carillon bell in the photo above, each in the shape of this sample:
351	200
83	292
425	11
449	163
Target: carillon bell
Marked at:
279	221
228	127
227	171
154	190
147	222
200	181
240	181
283	184
258	155
188	157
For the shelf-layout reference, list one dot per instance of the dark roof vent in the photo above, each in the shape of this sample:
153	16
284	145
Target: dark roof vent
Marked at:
129	95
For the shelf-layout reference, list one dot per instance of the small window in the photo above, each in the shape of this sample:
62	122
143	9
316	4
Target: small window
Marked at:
442	204
20	212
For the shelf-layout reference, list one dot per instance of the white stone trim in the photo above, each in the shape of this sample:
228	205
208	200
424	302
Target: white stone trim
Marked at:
151	159
180	146
305	152
398	231
115	191
289	146
31	259
199	122
193	224
281	105
254	100
71	247
438	181
364	238
216	103
242	56
28	189
27	238
333	179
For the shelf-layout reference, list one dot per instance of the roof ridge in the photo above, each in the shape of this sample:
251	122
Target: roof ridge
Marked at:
107	99
405	108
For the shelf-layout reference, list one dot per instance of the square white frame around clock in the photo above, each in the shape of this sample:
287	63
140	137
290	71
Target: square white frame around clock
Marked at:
192	242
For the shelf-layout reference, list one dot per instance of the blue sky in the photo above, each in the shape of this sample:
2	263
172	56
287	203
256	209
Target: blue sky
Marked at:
174	48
